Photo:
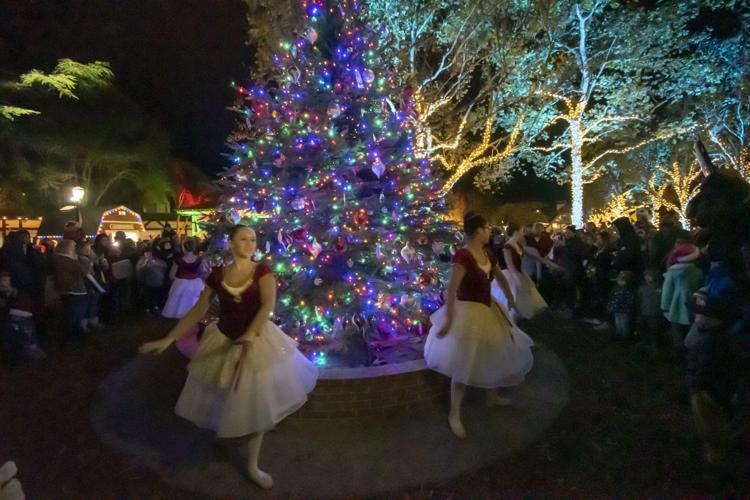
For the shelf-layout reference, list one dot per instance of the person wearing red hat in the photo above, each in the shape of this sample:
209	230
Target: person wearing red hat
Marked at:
682	279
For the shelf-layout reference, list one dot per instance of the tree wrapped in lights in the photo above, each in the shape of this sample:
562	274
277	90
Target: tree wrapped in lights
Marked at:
677	187
623	79
619	205
323	168
457	58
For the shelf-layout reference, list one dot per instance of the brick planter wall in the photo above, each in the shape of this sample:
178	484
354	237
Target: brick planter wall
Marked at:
374	391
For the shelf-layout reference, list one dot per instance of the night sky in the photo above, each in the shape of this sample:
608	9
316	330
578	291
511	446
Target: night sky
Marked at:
174	58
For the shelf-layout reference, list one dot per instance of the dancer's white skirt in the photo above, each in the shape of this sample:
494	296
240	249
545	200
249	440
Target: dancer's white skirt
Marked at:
529	302
236	398
183	294
483	348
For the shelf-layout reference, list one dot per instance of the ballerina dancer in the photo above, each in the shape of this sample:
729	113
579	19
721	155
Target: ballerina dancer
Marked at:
247	374
472	339
187	284
527	299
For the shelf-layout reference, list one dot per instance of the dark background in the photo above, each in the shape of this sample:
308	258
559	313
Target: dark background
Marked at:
175	58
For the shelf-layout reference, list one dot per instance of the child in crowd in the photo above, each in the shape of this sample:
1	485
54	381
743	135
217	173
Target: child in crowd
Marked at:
649	310
621	302
682	279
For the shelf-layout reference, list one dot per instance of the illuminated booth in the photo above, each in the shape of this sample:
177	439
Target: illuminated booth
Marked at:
95	220
121	218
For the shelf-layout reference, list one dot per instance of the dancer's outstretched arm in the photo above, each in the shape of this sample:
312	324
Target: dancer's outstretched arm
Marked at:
194	315
267	286
534	254
500	277
457	274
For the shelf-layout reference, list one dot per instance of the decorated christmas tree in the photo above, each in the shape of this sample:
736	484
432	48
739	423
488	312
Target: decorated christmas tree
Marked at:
322	169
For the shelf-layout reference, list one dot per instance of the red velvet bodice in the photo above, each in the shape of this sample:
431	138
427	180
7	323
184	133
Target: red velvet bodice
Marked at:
475	286
235	317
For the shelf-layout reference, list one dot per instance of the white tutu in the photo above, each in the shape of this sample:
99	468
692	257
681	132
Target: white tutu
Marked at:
482	348
270	384
529	302
183	294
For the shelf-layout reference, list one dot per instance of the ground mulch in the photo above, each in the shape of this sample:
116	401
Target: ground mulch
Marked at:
626	431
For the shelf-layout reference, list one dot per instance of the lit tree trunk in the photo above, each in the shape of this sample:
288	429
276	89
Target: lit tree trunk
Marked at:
576	178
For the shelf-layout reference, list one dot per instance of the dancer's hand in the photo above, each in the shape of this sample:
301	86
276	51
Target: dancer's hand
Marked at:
247	338
511	303
444	329
156	347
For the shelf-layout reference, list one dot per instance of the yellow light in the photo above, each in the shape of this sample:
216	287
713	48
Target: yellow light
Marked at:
76	194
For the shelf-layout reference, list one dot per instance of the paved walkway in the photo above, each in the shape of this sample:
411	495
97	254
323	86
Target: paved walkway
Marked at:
134	415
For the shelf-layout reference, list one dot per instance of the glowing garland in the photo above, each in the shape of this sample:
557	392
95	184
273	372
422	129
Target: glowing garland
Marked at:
473	159
619	206
586	172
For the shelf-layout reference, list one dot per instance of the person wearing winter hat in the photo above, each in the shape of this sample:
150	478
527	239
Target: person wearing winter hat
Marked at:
682	279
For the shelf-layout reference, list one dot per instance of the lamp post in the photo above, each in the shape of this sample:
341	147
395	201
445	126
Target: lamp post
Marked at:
76	197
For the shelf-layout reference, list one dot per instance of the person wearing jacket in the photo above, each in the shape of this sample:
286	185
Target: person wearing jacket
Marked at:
70	275
682	279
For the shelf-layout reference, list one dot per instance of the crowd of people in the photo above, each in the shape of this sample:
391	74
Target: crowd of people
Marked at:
97	280
654	287
645	284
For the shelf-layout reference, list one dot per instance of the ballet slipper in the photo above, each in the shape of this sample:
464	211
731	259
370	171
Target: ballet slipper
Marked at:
456	426
494	399
262	479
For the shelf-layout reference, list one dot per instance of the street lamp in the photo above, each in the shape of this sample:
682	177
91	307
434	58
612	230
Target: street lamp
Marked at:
76	194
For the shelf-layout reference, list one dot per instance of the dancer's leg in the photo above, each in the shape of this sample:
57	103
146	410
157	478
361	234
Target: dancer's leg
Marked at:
454	417
259	477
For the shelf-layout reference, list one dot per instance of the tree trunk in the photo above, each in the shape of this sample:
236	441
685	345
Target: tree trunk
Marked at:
576	174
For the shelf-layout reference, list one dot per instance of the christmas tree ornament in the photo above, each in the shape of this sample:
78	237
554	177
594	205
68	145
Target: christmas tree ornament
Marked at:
233	216
299	234
408	253
358	79
279	160
335	109
378	167
340	244
314	248
311	35
361	218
